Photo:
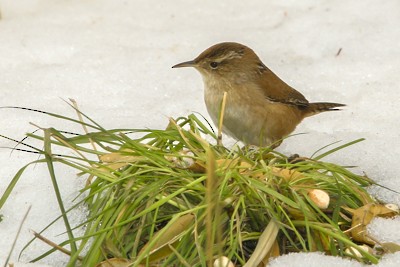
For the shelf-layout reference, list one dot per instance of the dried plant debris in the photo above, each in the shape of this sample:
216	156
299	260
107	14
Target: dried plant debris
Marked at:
171	198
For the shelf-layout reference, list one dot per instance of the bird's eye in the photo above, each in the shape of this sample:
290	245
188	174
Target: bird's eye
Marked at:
214	65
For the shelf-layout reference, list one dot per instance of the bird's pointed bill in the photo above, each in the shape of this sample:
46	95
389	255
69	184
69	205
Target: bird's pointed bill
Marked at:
190	63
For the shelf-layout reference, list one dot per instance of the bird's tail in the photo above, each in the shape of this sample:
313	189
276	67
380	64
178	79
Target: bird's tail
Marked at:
318	107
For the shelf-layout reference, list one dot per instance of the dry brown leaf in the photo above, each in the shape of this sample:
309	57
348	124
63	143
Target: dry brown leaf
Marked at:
221	164
288	175
197	167
248	170
245	165
393	207
295	213
363	216
224	164
324	240
390	247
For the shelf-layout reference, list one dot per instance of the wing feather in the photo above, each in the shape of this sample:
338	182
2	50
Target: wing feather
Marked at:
277	90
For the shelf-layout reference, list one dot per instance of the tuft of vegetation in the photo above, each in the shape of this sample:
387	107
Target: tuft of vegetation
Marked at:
172	198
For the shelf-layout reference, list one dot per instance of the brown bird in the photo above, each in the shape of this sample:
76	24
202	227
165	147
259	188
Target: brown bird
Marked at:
261	109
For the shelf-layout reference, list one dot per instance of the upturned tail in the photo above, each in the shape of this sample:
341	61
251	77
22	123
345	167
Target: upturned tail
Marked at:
318	107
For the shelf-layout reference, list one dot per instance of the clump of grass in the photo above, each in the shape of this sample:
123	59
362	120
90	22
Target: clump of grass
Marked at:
171	198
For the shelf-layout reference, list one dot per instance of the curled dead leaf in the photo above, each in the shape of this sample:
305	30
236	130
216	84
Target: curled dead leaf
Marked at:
363	216
392	207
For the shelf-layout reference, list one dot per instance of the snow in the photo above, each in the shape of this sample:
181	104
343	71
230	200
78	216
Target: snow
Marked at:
114	58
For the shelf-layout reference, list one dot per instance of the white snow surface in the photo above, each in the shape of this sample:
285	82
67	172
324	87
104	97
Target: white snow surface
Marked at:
114	58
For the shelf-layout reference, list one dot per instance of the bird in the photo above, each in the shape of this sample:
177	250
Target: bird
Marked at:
260	109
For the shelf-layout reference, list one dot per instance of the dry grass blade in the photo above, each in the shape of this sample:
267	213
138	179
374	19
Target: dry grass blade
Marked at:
80	117
221	119
265	244
210	201
159	246
16	236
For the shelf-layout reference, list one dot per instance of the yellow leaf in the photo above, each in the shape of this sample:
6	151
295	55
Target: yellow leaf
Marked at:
224	164
117	160
288	175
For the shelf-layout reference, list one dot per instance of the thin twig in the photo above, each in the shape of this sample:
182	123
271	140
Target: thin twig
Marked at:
54	245
338	52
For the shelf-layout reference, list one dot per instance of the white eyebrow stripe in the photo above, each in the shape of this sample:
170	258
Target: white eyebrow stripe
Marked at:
231	55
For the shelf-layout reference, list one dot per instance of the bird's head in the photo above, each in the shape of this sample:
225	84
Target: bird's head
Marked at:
229	61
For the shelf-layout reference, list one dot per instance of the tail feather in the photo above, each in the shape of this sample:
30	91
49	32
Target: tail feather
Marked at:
318	107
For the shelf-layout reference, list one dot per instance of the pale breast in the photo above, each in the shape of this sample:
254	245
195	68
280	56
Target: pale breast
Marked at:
249	116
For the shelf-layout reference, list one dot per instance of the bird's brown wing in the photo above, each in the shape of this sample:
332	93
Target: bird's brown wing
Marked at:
277	90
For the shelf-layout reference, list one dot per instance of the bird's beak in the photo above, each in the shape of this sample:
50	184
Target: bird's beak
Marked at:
190	63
